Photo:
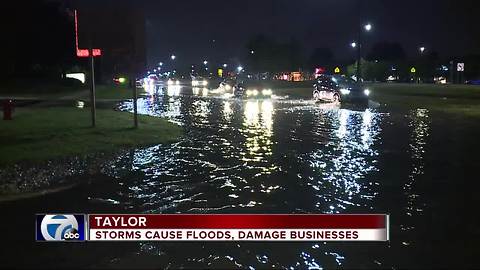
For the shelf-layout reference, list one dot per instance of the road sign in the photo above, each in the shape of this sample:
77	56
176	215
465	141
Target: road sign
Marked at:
83	52
413	70
337	70
86	53
461	67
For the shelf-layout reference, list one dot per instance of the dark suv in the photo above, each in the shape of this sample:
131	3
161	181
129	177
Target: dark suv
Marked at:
339	89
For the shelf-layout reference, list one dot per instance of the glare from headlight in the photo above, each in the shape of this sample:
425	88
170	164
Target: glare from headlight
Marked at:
266	92
249	92
194	83
255	92
228	87
177	82
170	82
367	92
205	83
344	91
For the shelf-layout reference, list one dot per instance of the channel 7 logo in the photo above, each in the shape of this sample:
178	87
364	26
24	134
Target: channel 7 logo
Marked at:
60	227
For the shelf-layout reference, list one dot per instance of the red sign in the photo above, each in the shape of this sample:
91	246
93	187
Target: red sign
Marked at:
238	227
320	70
83	52
86	53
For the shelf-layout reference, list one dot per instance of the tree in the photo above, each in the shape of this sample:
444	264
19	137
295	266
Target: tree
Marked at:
40	39
427	66
267	55
387	51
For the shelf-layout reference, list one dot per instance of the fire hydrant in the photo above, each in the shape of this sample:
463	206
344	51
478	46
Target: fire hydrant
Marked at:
7	109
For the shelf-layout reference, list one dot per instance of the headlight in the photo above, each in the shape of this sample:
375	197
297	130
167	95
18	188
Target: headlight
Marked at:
255	92
366	92
344	91
228	87
177	82
249	92
267	92
194	83
170	82
205	91
205	83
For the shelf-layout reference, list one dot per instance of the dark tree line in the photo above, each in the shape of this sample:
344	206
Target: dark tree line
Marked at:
268	55
382	60
38	39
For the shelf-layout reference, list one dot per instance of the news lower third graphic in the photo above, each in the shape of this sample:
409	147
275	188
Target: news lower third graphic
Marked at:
213	227
60	227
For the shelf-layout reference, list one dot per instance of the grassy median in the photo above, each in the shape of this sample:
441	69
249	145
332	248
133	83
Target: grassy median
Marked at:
462	100
45	133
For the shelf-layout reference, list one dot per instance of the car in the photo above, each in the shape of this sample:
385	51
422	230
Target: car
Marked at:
341	89
173	81
199	82
474	82
227	85
248	90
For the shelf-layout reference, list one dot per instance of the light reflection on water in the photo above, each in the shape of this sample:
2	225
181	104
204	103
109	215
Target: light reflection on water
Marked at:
419	122
350	158
237	155
257	129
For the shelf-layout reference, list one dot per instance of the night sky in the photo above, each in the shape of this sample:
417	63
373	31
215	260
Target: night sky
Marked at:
189	28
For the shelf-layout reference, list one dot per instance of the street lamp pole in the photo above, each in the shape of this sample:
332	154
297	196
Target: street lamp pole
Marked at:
135	99
359	40
93	106
359	53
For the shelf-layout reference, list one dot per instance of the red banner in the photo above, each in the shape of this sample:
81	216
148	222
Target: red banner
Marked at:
236	221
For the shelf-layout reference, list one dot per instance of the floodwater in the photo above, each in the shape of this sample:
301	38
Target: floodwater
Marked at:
281	156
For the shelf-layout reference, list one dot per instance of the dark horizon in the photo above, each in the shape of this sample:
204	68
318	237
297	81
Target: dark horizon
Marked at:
219	31
442	26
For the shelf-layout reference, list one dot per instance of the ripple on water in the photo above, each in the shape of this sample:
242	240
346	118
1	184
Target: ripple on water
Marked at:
257	156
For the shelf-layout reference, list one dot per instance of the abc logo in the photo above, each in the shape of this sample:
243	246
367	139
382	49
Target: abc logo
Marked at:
73	234
60	228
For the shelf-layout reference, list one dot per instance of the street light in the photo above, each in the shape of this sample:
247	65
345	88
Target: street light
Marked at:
239	69
160	64
368	27
205	62
173	57
252	52
225	65
422	49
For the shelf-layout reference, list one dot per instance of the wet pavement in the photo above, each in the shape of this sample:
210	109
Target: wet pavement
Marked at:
279	156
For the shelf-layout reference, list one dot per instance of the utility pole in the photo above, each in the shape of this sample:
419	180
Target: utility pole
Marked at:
92	86
135	97
452	72
133	81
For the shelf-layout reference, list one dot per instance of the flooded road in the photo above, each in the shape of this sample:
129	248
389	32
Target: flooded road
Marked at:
290	156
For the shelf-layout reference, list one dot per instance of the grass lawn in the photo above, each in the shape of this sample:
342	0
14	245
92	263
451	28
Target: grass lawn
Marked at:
463	100
39	90
116	92
55	91
45	133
